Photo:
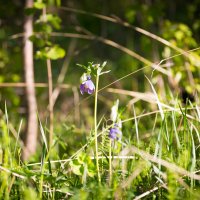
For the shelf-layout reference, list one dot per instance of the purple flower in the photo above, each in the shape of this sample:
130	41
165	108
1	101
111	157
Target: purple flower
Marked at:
87	86
115	132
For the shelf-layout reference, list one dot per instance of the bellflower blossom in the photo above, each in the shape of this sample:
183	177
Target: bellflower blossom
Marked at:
115	132
87	86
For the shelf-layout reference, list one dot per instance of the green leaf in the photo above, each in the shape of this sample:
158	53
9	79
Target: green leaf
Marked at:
30	194
83	78
41	54
76	167
83	66
40	26
40	42
54	20
91	172
55	52
39	5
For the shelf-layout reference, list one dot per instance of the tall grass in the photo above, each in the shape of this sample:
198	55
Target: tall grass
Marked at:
160	161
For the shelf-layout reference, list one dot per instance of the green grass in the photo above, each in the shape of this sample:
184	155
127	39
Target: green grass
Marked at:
156	160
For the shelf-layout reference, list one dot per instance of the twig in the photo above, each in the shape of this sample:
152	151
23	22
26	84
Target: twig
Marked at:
39	85
173	167
49	72
76	101
95	128
13	173
110	162
117	20
146	193
63	71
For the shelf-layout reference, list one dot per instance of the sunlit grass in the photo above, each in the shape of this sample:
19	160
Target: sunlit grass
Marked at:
161	160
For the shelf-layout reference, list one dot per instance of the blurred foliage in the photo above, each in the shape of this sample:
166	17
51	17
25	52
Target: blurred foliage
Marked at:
43	27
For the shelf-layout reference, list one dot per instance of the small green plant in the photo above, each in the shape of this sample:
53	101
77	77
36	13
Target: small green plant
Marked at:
88	86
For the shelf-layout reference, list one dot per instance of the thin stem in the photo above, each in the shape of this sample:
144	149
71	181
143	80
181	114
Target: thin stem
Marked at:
50	84
42	174
95	128
110	162
136	126
41	184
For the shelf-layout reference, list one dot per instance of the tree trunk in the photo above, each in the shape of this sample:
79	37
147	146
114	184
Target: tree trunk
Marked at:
32	122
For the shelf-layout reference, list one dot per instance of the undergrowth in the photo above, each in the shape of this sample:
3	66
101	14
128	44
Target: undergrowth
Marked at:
150	155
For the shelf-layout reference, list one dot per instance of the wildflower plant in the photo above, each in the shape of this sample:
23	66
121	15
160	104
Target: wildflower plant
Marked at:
115	130
115	134
86	83
87	86
83	166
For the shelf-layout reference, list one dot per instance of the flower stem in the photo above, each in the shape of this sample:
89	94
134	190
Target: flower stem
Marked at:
95	128
110	162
